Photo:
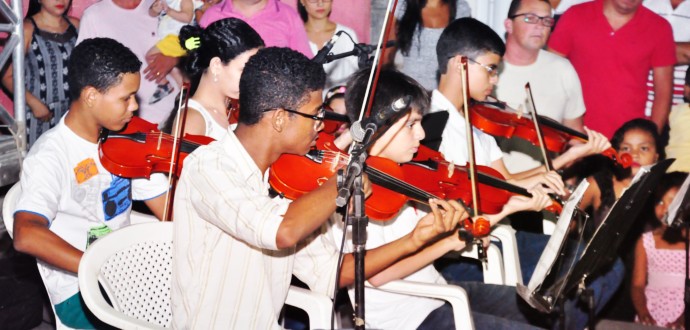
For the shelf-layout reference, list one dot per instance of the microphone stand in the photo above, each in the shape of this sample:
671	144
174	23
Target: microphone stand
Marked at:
350	183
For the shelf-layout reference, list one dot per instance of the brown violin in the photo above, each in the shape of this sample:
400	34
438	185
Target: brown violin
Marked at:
497	119
141	149
393	184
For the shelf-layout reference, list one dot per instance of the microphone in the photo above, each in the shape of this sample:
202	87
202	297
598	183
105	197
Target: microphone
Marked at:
372	124
320	57
370	48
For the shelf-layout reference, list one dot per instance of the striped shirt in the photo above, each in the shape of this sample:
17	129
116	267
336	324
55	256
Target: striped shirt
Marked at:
227	270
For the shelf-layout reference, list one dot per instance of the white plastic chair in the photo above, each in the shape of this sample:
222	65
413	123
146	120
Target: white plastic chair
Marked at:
511	258
455	295
493	269
8	208
133	265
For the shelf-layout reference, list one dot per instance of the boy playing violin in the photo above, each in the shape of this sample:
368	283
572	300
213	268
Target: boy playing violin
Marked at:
68	199
235	247
399	144
484	50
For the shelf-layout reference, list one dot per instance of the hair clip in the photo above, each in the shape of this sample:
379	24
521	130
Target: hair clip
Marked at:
192	43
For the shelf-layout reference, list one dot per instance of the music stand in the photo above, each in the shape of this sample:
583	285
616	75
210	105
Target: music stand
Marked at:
601	250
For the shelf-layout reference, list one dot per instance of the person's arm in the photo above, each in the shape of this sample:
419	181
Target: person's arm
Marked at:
682	53
639	282
32	236
444	217
591	196
185	14
302	218
663	91
157	205
159	66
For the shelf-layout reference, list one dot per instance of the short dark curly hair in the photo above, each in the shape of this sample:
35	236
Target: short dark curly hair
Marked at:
99	63
277	78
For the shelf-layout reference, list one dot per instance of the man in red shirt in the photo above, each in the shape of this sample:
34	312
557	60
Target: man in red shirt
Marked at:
613	44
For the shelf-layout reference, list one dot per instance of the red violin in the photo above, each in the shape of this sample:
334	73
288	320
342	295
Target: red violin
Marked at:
141	149
498	119
394	185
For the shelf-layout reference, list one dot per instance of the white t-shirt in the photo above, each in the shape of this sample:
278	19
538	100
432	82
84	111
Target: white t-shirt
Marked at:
557	94
135	29
340	70
385	310
168	25
454	141
63	181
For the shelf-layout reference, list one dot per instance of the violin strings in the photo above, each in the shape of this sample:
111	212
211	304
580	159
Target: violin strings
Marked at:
411	190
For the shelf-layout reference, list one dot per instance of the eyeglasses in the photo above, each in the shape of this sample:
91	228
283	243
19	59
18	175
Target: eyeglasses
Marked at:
530	18
318	118
491	69
315	1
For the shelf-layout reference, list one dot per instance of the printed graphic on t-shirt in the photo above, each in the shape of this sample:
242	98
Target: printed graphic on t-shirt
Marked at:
86	169
117	198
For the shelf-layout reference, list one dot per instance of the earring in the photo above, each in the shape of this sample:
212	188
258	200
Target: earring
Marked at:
215	77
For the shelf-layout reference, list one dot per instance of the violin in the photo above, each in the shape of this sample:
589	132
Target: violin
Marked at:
393	184
496	118
141	149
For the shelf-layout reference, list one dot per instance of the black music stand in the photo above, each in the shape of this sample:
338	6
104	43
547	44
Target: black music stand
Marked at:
600	251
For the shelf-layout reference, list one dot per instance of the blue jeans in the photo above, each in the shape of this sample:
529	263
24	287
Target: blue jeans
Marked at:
442	318
502	300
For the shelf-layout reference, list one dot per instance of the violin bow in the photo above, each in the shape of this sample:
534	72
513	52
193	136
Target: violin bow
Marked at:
479	227
180	121
537	127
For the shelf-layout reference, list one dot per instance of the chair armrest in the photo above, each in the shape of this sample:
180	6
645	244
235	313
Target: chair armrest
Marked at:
318	306
511	258
453	294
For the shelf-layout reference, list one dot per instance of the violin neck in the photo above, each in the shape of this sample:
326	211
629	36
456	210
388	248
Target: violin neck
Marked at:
389	182
546	121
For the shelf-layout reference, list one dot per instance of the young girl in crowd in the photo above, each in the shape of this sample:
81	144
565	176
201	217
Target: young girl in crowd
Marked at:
320	29
49	37
215	67
640	139
637	137
658	277
172	16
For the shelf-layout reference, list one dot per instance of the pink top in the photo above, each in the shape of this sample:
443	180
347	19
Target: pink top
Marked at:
613	65
278	24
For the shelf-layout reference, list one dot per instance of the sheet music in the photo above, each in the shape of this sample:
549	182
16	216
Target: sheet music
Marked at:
677	201
553	247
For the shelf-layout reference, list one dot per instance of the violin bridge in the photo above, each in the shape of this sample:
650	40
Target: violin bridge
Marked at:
520	111
451	169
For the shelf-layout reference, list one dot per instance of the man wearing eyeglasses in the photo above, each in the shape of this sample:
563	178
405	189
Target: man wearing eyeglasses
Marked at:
613	44
553	80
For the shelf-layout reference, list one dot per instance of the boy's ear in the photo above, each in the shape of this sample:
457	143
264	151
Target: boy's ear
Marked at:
278	119
89	96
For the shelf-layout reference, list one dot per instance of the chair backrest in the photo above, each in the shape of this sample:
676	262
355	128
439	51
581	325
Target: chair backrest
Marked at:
8	207
134	266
